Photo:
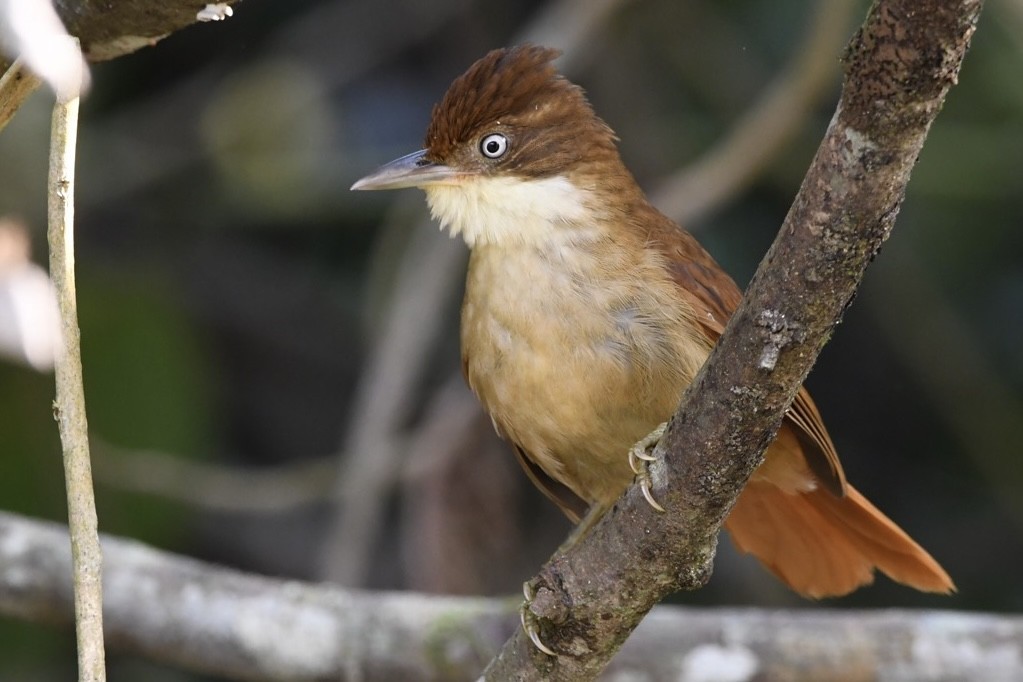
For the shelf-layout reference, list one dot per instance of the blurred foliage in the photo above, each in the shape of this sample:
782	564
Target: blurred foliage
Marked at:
232	290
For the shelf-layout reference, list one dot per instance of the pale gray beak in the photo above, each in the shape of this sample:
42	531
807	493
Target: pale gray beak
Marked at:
411	170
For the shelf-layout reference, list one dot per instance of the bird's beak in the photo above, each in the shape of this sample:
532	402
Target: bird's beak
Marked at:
411	170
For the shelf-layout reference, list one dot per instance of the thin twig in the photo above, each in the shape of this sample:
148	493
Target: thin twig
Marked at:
69	406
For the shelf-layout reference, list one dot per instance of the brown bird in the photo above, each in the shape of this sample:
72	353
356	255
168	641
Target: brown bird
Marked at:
587	313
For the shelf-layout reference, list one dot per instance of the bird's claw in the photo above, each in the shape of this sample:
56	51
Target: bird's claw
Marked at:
640	456
637	457
529	624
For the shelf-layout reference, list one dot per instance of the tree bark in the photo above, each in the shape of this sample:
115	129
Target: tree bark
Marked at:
109	30
213	620
112	29
898	68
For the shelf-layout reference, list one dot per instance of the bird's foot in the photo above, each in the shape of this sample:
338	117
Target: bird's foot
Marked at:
640	456
529	622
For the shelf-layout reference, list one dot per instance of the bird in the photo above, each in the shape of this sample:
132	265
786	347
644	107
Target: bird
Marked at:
587	313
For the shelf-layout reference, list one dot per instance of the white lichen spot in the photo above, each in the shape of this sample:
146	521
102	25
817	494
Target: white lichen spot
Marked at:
778	336
817	222
214	11
769	357
859	141
857	145
718	663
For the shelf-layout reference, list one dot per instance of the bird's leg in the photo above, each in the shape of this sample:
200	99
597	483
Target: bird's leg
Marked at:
640	455
530	625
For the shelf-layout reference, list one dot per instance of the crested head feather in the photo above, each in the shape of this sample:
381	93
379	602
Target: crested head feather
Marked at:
518	92
501	83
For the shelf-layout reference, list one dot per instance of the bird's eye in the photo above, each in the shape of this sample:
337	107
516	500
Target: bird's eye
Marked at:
494	145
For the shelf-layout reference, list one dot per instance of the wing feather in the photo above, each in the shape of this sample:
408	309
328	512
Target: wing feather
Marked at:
571	504
714	297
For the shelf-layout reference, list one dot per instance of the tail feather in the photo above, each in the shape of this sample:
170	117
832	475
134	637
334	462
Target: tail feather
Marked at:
822	546
897	555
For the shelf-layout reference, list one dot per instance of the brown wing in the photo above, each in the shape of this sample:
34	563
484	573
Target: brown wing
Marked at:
571	504
817	446
714	297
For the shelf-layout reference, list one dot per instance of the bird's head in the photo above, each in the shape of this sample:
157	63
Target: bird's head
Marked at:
513	153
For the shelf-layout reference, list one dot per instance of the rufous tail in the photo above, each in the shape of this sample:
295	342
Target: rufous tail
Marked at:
821	545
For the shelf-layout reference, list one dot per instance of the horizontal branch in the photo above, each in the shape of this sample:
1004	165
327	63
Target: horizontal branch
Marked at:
223	622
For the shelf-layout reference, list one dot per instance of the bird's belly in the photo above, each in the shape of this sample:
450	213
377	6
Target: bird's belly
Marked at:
573	381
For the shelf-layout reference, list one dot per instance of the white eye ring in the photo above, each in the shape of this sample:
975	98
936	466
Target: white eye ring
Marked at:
494	145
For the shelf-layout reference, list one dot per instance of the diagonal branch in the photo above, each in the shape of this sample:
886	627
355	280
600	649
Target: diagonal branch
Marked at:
898	69
16	84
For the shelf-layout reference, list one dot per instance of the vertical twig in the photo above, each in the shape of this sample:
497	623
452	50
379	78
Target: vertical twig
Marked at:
69	406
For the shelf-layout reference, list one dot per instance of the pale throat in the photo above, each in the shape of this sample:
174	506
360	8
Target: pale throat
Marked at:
510	211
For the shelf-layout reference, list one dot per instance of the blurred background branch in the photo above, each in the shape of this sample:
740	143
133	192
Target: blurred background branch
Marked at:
268	629
732	163
205	485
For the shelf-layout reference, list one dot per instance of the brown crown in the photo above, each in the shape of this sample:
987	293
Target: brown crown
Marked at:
518	91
